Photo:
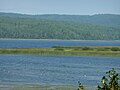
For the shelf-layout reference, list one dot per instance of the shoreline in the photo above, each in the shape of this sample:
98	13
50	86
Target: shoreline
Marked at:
53	39
42	87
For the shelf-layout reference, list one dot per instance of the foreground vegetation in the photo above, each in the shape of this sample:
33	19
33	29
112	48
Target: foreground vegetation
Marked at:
67	51
112	83
107	84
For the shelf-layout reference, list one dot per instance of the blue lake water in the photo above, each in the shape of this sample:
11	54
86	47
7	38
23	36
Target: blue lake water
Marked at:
36	69
50	43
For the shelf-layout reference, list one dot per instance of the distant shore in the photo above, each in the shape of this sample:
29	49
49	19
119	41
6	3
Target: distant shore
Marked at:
53	39
25	39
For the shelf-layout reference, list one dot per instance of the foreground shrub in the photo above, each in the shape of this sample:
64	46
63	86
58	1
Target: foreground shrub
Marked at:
112	81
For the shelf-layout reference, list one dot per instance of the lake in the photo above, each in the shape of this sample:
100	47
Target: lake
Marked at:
49	43
37	69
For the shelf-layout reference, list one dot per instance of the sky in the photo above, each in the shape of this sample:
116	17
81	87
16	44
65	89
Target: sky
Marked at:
72	7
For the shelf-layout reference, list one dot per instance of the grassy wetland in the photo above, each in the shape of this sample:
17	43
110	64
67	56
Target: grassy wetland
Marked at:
67	51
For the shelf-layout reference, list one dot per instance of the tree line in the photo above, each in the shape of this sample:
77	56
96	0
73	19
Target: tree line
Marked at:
31	28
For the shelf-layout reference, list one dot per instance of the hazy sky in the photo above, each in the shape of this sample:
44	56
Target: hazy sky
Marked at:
81	7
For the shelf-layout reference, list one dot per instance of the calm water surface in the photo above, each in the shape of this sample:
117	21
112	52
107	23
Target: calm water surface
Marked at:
50	43
36	69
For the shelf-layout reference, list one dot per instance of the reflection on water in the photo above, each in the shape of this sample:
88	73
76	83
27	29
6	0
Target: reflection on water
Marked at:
54	69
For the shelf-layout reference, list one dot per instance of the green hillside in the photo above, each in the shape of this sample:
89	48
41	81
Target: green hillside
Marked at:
96	27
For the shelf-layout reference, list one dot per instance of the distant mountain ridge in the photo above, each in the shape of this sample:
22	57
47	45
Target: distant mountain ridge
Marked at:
53	26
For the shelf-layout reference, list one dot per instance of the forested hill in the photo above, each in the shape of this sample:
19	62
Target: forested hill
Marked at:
80	27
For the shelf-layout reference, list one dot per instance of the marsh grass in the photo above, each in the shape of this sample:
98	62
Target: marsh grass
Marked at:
67	51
